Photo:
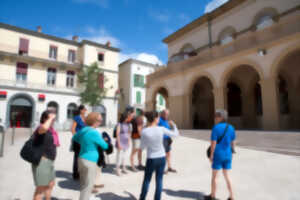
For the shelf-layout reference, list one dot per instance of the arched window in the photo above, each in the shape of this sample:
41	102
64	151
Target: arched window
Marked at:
264	18
53	106
71	110
186	50
227	35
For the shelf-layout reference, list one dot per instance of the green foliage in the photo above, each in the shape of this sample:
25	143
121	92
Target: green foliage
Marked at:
92	94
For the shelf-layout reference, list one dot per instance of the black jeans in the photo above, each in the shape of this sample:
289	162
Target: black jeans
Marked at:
157	165
76	149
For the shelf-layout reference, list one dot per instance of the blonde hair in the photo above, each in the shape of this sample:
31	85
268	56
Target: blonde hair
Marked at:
92	118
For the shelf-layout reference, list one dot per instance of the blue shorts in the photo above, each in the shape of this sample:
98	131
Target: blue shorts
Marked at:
221	164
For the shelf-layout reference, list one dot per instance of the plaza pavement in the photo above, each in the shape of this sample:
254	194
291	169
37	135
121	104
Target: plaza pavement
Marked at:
257	175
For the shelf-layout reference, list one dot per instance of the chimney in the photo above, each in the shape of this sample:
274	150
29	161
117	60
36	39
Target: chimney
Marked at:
75	38
108	44
39	29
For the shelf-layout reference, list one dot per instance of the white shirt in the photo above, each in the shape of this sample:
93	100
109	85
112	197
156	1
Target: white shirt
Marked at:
152	140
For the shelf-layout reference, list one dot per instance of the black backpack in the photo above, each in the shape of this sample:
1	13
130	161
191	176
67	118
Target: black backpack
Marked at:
115	131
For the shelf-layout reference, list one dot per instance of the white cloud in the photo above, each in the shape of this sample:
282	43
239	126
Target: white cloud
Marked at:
213	5
101	35
146	57
101	3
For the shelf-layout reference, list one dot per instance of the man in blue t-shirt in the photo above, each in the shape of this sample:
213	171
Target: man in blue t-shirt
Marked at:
222	147
164	121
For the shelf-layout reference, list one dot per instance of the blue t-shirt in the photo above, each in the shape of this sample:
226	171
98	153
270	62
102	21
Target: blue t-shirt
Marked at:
164	123
79	123
223	149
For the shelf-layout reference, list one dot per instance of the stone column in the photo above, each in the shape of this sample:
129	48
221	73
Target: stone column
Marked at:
270	104
219	98
177	110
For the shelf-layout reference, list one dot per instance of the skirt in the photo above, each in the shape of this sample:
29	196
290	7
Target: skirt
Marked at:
44	172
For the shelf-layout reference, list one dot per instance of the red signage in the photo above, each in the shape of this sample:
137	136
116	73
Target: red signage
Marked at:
3	94
41	97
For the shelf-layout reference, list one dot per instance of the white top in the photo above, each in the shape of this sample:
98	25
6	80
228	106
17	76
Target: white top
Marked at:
152	140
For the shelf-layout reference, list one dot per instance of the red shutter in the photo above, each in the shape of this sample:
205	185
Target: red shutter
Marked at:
101	80
24	44
21	68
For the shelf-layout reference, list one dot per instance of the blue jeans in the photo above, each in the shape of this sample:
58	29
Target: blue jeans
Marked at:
157	165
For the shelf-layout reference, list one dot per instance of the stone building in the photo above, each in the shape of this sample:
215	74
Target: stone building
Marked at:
39	71
244	57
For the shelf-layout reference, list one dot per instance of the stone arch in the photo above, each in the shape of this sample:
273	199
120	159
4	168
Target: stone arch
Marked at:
226	74
162	90
10	109
201	103
193	80
242	94
71	110
267	11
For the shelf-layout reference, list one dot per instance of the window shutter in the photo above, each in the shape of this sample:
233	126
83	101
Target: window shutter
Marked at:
138	97
101	80
22	68
24	44
142	81
135	80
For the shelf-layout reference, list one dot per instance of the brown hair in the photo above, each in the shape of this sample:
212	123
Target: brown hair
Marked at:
92	118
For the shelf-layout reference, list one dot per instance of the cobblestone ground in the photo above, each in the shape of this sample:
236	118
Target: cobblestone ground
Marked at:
258	175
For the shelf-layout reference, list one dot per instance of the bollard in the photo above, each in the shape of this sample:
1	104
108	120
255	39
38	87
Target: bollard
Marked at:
2	137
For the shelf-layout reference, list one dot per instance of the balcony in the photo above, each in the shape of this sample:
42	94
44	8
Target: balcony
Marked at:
38	87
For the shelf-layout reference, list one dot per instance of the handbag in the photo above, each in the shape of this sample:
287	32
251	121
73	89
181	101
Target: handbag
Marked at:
32	152
208	151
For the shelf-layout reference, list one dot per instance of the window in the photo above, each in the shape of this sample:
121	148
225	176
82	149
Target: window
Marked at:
51	76
53	52
23	46
139	80
71	56
21	73
71	110
264	22
101	80
100	57
70	78
138	97
227	39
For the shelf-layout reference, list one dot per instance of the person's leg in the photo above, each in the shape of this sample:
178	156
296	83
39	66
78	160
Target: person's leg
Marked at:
123	159
214	183
147	178
98	178
226	169
49	189
118	162
160	167
87	170
140	157
38	193
134	151
76	148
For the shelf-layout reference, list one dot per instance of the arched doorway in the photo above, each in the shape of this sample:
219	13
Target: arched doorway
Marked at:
102	110
71	110
244	99
21	111
202	105
53	106
289	91
161	99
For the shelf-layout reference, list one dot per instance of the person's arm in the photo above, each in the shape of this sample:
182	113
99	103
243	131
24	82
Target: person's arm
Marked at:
233	142
73	128
118	136
171	133
99	140
46	125
213	143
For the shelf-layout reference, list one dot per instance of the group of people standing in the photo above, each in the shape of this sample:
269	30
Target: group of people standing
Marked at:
149	131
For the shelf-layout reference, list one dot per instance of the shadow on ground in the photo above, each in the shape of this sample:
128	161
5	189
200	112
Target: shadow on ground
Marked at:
184	194
112	196
67	182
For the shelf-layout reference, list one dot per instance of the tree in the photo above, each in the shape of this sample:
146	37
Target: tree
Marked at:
92	78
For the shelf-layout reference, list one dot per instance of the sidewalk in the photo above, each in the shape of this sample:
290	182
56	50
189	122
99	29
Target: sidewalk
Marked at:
256	175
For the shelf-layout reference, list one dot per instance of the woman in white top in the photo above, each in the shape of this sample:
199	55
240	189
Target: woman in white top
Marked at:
152	140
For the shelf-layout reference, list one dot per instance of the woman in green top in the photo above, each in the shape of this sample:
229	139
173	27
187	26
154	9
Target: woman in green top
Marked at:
89	140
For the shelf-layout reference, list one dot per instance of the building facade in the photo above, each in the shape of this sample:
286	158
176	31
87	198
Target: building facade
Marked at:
132	80
39	71
244	57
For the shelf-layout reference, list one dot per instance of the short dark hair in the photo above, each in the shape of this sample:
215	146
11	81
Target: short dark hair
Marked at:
151	116
124	115
45	116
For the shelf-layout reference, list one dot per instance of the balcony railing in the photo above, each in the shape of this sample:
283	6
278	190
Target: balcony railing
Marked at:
39	86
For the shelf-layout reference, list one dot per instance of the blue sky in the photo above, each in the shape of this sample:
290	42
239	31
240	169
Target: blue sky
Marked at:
135	26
